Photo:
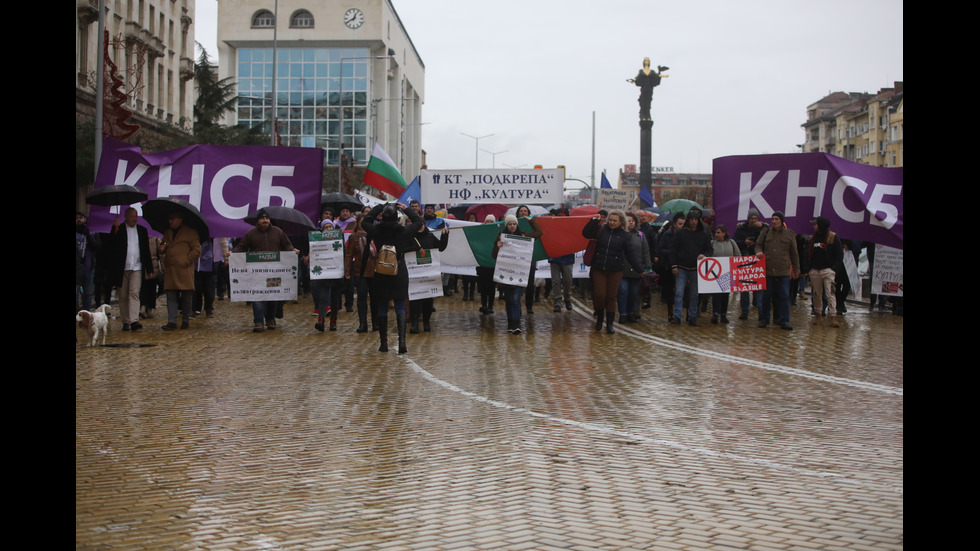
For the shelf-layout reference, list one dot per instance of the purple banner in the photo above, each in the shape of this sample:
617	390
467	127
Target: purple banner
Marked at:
862	202
226	183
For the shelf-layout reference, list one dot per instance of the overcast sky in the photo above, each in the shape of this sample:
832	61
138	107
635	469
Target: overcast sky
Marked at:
532	72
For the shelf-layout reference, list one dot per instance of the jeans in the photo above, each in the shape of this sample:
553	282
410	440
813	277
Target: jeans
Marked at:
512	296
756	299
776	300
262	311
629	296
683	280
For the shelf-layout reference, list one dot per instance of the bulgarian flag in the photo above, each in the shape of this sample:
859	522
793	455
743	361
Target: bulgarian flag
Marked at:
382	174
472	245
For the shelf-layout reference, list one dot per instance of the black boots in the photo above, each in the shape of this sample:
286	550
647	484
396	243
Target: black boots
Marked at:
383	333
402	348
599	314
610	316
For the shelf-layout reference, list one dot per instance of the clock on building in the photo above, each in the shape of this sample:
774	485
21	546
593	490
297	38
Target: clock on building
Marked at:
354	18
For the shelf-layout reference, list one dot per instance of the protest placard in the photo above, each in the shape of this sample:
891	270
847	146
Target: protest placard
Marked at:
514	260
888	273
326	254
424	274
726	274
263	275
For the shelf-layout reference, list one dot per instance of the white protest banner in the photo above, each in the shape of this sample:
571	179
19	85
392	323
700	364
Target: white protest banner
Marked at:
853	277
725	274
424	276
512	185
326	254
514	260
888	274
366	199
579	269
265	275
614	199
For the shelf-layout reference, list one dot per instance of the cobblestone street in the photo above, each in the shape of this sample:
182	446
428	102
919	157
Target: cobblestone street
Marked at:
655	437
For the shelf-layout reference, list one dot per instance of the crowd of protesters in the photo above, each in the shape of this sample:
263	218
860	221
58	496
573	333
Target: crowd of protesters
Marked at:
630	261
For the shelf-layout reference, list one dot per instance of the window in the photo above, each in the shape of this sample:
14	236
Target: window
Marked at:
302	19
264	20
313	85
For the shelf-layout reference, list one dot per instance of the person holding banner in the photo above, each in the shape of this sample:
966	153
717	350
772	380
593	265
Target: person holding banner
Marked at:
746	234
778	245
263	237
326	289
388	235
523	211
426	241
613	249
690	245
513	293
723	246
484	280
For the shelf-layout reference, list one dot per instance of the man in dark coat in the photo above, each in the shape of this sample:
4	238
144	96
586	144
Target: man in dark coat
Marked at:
689	245
130	263
745	237
264	237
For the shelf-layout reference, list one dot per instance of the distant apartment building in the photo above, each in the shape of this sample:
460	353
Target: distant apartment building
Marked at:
858	126
667	184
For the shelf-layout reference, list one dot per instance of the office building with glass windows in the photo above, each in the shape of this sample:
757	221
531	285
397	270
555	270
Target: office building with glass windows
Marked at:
347	75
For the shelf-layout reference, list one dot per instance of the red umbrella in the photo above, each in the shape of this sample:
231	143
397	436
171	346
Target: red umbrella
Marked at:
482	210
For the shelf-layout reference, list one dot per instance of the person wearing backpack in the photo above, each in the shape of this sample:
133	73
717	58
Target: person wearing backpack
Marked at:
390	281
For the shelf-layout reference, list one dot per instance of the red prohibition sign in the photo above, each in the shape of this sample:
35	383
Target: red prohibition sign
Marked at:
710	269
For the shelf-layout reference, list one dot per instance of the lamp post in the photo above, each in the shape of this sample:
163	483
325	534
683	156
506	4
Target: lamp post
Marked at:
340	130
494	156
477	161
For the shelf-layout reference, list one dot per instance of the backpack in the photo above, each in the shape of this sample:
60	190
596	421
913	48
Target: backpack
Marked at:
387	261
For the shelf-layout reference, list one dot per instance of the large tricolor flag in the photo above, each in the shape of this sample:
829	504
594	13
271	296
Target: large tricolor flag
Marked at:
382	174
472	245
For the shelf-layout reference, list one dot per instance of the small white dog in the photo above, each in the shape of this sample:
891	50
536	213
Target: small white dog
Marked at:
94	322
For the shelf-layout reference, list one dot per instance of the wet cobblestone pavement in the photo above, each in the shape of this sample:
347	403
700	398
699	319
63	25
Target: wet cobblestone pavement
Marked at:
656	437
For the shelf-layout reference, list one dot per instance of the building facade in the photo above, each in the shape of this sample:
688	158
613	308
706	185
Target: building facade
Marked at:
860	127
667	184
347	75
152	46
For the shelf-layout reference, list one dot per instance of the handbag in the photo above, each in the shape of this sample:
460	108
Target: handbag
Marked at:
590	249
589	253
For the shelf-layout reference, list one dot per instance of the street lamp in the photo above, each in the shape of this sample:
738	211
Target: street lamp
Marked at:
477	162
494	154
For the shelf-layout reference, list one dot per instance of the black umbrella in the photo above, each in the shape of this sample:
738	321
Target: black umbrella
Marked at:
337	201
292	221
157	213
108	196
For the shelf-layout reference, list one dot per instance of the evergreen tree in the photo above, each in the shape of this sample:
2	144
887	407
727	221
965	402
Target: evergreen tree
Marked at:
214	99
